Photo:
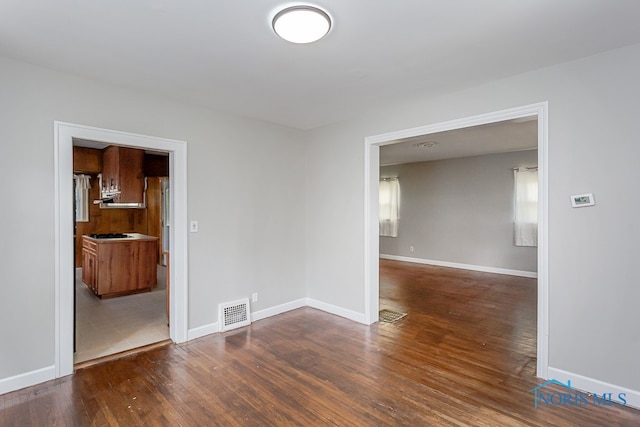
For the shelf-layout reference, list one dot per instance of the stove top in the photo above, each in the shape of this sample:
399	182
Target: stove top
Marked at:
109	236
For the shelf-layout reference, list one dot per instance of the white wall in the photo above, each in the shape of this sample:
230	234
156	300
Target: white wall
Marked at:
460	211
246	189
255	239
593	147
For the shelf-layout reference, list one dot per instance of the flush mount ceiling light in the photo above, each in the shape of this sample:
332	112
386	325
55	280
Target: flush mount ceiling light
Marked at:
301	24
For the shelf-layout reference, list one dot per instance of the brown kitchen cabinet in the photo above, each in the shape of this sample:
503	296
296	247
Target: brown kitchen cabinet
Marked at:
123	170
87	160
89	263
121	266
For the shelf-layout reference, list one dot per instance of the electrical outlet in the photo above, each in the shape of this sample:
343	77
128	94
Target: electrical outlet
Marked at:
194	226
254	297
410	248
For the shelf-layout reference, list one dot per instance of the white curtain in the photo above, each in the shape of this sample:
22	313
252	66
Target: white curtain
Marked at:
389	206
82	186
526	207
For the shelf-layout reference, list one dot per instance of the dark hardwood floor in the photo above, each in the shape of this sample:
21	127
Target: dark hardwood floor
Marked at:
464	355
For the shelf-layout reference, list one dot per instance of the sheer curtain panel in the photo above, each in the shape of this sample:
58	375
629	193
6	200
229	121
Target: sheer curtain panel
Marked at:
389	206
526	207
82	186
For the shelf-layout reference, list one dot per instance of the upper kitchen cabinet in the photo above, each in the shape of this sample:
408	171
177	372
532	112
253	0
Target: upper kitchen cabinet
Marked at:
87	160
123	174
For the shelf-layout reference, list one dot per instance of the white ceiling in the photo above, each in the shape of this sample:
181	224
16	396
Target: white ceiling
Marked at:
224	54
500	137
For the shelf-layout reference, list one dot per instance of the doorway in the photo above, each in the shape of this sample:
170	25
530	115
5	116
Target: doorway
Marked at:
64	134
372	176
108	322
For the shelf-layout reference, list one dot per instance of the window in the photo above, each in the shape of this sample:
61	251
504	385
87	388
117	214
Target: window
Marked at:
389	206
526	206
81	187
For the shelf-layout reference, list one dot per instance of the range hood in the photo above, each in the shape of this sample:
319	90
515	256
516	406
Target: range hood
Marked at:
122	182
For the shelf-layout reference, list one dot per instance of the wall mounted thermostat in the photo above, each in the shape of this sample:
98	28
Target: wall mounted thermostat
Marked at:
582	200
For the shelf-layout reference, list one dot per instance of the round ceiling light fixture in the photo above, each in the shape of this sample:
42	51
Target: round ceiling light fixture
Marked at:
301	24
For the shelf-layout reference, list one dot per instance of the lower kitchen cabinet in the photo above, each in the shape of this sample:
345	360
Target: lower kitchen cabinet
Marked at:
120	266
89	264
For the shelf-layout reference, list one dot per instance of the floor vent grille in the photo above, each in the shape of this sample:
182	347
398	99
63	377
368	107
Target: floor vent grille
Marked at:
234	314
390	316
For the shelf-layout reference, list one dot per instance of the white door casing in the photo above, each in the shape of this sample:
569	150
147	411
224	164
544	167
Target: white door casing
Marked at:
372	146
64	133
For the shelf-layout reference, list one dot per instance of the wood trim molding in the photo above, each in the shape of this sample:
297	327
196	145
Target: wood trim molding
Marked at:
372	146
496	270
591	385
213	328
278	309
337	310
64	133
27	379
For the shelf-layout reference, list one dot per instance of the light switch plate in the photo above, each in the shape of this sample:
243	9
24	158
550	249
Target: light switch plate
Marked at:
194	226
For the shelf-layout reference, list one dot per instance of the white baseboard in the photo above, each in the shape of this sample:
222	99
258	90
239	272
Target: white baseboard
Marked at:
278	309
213	328
201	331
338	311
45	374
590	385
27	379
506	271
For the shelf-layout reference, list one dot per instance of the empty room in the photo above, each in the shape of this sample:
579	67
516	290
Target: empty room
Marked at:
266	264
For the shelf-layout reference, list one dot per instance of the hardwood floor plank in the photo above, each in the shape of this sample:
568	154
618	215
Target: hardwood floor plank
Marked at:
465	354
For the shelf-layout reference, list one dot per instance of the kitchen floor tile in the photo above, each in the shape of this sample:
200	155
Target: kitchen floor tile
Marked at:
109	326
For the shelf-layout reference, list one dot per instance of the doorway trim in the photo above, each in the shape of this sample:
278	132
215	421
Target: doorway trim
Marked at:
371	187
64	133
